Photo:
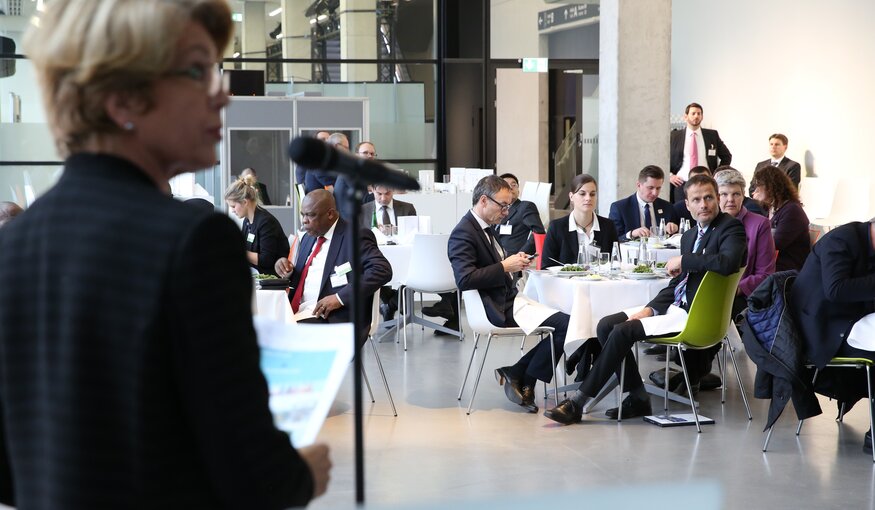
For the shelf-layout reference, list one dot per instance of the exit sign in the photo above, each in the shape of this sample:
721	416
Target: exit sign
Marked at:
535	65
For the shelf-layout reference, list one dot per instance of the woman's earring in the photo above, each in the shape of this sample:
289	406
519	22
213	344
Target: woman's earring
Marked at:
128	126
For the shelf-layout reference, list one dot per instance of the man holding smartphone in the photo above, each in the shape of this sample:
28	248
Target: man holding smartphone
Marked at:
480	263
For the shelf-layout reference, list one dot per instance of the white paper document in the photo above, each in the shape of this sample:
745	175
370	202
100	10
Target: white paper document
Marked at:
304	365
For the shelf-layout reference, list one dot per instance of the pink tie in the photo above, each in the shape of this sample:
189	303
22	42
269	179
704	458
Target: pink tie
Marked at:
694	153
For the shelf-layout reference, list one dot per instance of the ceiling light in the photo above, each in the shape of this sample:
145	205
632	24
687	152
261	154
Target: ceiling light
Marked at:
275	11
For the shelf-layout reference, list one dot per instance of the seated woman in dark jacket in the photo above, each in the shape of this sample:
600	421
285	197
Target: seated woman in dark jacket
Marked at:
789	222
264	237
582	227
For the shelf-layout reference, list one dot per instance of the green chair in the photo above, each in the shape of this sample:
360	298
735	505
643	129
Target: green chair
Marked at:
709	317
857	363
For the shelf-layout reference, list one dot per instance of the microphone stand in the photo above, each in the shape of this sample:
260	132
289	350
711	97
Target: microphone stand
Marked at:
353	199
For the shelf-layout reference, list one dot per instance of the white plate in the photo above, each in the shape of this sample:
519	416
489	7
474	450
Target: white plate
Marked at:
641	276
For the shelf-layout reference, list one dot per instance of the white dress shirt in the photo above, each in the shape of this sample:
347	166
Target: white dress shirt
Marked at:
584	239
641	204
684	172
483	227
313	283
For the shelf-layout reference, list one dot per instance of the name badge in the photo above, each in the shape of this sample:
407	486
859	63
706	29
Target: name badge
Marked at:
712	152
505	230
338	280
342	269
250	238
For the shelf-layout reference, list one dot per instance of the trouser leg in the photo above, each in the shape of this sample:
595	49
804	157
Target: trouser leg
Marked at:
617	336
538	362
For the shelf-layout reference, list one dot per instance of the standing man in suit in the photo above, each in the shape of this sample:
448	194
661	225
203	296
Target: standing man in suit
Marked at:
832	298
718	244
385	210
777	149
514	233
320	179
479	263
320	290
364	150
694	146
639	213
301	171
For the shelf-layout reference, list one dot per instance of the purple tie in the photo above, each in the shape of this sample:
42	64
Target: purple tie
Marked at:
681	289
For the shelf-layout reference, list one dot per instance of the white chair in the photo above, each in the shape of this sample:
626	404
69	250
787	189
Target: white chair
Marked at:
375	324
429	271
481	325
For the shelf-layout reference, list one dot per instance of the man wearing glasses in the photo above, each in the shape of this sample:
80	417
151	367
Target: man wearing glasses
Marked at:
364	150
480	263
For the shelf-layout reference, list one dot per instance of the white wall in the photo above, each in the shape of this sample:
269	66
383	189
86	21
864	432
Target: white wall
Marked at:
800	67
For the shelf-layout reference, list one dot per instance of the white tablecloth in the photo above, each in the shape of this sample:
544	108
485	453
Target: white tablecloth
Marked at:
662	254
274	304
587	302
399	258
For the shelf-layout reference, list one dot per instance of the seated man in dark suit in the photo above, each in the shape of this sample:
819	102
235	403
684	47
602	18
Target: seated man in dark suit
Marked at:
385	210
320	290
680	205
514	233
479	263
777	149
639	214
718	244
833	298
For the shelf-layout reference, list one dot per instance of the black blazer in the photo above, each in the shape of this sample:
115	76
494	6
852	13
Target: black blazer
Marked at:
624	213
524	218
376	270
561	244
790	167
268	240
712	142
130	368
723	249
262	193
476	265
835	289
401	209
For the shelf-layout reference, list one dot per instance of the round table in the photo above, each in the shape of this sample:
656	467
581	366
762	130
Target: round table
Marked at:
273	304
662	254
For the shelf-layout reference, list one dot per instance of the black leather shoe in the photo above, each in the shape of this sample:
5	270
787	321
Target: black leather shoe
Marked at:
675	379
512	387
566	413
438	311
867	442
387	312
529	399
682	390
632	408
654	349
448	324
710	381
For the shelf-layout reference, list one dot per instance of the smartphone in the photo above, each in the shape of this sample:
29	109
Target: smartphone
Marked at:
531	256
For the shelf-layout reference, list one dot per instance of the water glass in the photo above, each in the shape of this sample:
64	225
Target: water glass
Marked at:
604	263
651	258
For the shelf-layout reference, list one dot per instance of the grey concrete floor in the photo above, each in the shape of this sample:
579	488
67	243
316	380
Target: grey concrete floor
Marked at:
434	453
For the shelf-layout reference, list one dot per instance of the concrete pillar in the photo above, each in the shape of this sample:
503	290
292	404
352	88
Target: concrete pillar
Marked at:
358	39
634	94
254	38
296	40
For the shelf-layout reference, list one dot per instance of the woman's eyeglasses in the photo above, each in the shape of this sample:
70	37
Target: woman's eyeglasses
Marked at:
211	77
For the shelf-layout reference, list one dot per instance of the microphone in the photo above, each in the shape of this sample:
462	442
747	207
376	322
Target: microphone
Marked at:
315	154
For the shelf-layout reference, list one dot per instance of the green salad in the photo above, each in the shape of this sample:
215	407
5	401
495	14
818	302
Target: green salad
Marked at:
642	268
661	265
573	267
261	276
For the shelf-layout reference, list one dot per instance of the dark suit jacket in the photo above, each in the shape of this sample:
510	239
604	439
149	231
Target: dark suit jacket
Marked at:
375	272
130	368
262	193
790	167
401	209
476	266
624	213
270	242
318	179
561	244
712	142
524	218
723	249
835	289
341	190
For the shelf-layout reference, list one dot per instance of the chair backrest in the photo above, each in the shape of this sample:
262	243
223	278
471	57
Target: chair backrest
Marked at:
539	246
711	309
430	268
375	314
476	313
542	201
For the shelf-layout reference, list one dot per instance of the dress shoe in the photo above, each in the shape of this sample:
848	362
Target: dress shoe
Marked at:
449	324
387	312
710	381
529	399
867	442
566	413
632	408
513	389
675	379
654	349
438	311
682	389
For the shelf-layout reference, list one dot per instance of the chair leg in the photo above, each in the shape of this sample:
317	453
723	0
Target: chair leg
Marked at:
721	365
368	384
737	378
421	326
459	314
768	437
470	362
871	418
555	377
689	390
523	345
813	381
383	375
841	417
404	314
620	390
479	373
668	352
